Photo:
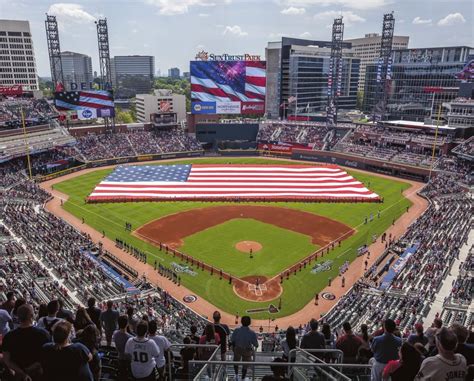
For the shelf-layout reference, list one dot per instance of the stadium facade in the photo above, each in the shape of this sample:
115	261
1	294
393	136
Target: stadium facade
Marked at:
367	48
422	80
299	68
132	75
17	57
77	69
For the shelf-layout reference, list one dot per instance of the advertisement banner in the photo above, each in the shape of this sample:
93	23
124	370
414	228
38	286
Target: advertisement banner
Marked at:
282	147
253	108
203	107
105	112
227	107
85	100
88	113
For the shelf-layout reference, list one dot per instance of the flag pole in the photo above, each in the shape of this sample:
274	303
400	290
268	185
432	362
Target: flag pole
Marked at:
435	141
27	147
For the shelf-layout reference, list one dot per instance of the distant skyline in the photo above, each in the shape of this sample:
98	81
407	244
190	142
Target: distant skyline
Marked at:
175	30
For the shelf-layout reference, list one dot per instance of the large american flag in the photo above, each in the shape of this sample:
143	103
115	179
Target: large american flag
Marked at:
224	182
227	81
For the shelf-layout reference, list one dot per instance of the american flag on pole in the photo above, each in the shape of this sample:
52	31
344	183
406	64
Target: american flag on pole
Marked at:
230	182
228	81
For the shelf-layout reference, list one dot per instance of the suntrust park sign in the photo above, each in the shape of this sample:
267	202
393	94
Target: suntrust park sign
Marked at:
205	56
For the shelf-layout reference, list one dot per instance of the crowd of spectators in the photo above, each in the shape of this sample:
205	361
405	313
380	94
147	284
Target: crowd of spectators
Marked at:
35	112
390	145
313	134
466	148
111	145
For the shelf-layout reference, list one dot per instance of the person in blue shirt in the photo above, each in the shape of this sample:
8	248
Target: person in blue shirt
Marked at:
243	342
385	348
62	360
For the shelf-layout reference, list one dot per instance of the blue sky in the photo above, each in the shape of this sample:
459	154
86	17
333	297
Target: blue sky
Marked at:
174	30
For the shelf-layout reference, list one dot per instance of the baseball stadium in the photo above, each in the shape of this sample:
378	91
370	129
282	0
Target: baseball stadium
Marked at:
311	244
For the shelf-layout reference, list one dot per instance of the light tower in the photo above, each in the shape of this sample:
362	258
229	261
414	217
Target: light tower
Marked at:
335	71
54	50
384	68
104	62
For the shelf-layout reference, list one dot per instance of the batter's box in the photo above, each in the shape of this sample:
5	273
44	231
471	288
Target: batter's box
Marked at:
258	290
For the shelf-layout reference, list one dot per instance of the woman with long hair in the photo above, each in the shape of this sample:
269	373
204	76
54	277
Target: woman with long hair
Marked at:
210	337
90	338
289	343
406	368
364	352
62	360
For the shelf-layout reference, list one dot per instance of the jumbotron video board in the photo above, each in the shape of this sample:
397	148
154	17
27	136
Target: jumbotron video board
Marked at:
228	87
88	104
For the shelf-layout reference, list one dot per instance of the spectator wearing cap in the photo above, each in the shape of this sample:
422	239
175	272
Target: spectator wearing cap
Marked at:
463	348
385	348
419	336
244	343
349	344
313	339
22	346
446	365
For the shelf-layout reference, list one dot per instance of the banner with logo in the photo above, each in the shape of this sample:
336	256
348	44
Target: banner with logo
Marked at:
253	108
282	147
87	113
227	107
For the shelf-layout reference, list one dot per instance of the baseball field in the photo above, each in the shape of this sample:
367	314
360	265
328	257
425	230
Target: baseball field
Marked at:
254	242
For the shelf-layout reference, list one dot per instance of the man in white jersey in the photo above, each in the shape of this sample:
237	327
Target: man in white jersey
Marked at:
142	352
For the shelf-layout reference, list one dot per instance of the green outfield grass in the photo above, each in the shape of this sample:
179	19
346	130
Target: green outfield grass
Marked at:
216	245
297	291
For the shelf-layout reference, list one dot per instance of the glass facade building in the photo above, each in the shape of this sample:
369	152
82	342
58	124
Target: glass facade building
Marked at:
299	68
422	80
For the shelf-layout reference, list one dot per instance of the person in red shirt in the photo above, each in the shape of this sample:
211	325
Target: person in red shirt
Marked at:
349	344
210	337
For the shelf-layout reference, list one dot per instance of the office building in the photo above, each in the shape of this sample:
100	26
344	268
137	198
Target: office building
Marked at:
422	80
77	69
132	75
368	50
174	73
17	57
162	100
299	68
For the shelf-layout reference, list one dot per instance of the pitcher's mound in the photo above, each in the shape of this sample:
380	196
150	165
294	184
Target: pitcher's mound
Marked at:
246	246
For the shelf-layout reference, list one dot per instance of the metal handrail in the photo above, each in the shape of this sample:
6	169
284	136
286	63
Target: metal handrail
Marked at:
196	346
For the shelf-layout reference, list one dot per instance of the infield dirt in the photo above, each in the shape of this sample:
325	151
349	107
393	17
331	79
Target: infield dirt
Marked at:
172	229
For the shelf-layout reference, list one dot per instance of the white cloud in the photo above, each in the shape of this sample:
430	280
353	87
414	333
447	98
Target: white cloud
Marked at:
235	30
354	4
293	11
178	7
452	19
276	35
305	35
348	17
70	12
203	14
418	21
